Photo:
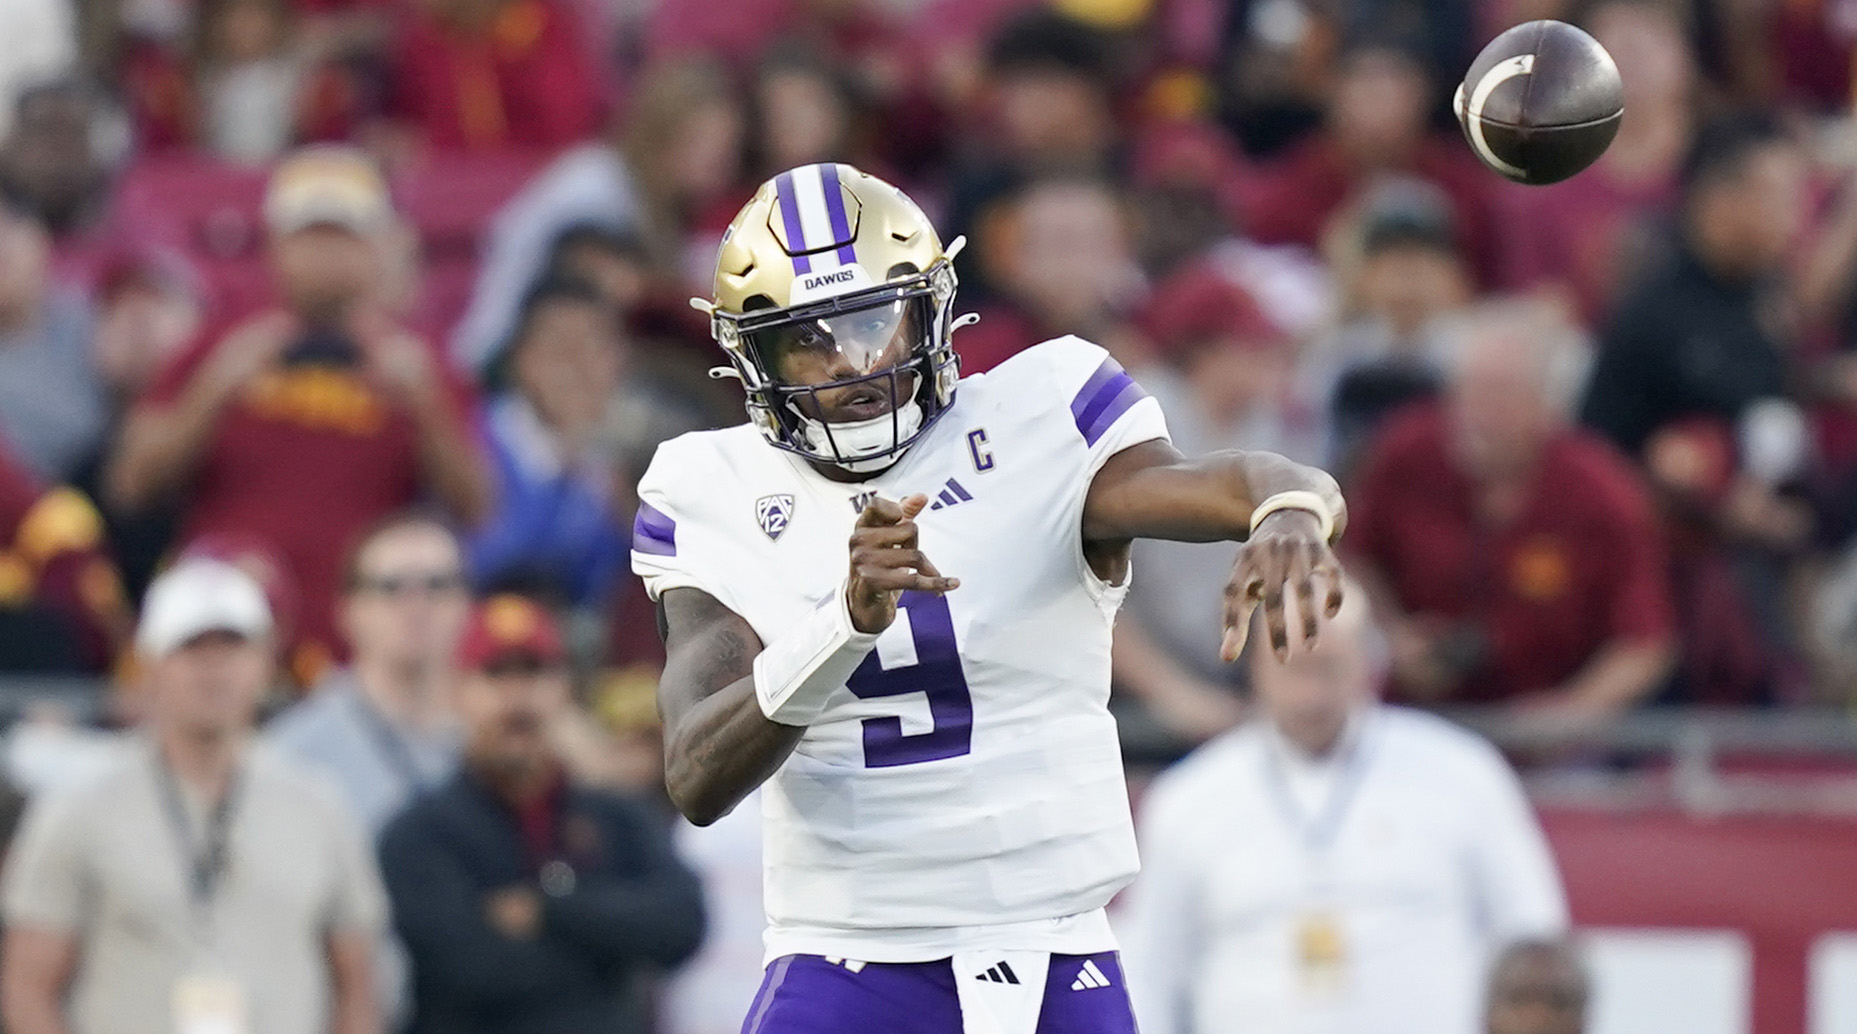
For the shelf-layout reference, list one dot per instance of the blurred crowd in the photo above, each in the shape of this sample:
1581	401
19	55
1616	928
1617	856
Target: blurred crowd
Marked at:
383	303
273	269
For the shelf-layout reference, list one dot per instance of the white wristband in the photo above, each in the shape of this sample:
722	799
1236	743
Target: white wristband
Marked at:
799	671
1297	500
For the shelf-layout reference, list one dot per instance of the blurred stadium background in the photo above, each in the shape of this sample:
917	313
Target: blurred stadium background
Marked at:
1261	204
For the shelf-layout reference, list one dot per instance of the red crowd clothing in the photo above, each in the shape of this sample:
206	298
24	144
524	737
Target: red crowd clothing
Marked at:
1582	565
525	82
305	459
52	560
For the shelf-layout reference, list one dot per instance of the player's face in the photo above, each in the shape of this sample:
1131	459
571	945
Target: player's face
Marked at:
856	347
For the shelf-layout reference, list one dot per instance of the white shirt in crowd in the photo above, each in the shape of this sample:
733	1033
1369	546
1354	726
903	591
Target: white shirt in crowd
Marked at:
1361	893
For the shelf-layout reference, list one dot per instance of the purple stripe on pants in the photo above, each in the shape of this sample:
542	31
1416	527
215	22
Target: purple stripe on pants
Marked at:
835	209
804	994
790	217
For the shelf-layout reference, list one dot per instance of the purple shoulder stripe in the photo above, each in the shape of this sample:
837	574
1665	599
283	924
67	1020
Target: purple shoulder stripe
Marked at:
653	532
1103	399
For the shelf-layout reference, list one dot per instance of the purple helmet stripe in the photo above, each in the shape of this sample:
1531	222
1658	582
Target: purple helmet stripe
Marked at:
835	208
653	531
790	217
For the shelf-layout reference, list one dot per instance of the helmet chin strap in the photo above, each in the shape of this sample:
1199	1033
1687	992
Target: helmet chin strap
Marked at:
855	439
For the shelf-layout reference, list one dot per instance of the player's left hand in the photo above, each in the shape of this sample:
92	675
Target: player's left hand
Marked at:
1286	550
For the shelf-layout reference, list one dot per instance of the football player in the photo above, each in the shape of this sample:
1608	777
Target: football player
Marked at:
887	598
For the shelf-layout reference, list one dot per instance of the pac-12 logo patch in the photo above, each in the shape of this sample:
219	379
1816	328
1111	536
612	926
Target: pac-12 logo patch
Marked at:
774	512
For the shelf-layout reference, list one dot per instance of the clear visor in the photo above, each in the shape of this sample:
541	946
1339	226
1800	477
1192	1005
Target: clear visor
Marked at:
844	345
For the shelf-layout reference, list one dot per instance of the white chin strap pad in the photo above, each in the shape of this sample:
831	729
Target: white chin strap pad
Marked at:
797	673
855	440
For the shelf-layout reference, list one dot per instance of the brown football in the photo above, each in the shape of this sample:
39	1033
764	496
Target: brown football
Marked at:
1541	102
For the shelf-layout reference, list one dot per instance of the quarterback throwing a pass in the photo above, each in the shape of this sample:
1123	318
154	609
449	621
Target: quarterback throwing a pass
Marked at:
889	596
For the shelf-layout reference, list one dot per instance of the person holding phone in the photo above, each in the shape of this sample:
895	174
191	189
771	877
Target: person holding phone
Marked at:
307	421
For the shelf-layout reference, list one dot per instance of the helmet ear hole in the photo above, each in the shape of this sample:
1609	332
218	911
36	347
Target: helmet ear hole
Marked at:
757	302
902	269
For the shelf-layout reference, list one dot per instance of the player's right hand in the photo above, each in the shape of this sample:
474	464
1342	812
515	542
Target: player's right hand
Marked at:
885	561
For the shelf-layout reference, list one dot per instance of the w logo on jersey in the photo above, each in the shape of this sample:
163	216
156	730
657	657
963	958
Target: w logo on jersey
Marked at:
773	513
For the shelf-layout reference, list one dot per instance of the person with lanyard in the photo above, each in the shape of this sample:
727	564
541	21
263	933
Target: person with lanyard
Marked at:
529	904
202	884
383	728
1336	866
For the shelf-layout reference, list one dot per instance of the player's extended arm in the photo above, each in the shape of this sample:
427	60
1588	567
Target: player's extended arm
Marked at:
1153	491
719	741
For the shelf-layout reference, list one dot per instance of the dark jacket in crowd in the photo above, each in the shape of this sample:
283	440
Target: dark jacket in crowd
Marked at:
615	900
1684	344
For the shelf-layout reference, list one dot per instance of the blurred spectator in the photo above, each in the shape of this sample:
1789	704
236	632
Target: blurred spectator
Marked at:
149	306
1060	253
201	870
1047	111
383	728
1334	866
306	423
675	157
62	607
41	42
1516	559
1274	66
1376	126
611	261
1694	379
1404	287
1537	987
1587	236
1691	339
555	532
1223	385
66	144
54	407
487	74
253	83
803	114
529	903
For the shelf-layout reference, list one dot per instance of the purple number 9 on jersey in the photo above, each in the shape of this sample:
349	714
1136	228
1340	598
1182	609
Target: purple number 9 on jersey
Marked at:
936	674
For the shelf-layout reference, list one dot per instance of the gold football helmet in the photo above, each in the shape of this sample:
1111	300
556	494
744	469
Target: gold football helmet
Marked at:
830	261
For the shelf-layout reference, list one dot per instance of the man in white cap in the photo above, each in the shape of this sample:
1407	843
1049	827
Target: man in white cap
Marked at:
200	884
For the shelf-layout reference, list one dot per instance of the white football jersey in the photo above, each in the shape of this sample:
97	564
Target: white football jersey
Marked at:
969	774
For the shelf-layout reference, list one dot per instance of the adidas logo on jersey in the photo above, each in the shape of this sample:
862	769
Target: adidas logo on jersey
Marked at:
952	494
998	974
1090	978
